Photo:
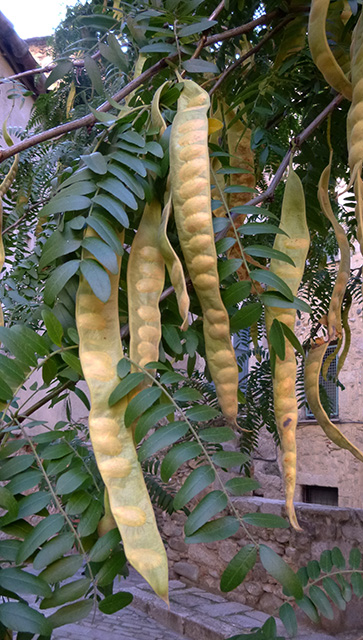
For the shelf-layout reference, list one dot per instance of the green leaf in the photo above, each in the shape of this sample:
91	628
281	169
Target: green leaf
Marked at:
337	558
357	584
224	244
279	570
150	419
96	162
104	546
163	437
21	617
73	362
217	434
197	481
71	613
238	568
200	66
9	549
213	503
77	503
260	251
111	568
158	47
334	592
256	228
97	278
113	207
272	280
236	292
34	341
102	252
250	208
8	503
246	316
53	327
54	549
119	191
277	339
128	179
140	403
70	481
123	367
227	267
12	371
62	569
71	591
186	394
201	413
63	203
90	519
63	67
265	520
179	454
55	451
292	338
197	27
355	558
44	530
115	602
172	337
313	569
33	503
124	387
130	162
219	529
58	279
21	582
229	459
24	481
15	465
19	348
240	486
321	602
106	232
275	299
326	561
6	392
288	617
93	72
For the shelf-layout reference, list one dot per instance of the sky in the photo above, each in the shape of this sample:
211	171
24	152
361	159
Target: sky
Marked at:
35	17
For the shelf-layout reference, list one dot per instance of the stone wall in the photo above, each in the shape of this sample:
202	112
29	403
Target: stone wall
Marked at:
323	528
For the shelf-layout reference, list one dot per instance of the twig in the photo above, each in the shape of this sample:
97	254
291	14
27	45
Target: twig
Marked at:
89	120
296	143
45	400
48	68
203	39
250	53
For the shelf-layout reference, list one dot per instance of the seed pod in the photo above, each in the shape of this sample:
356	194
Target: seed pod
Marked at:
174	266
313	365
334	319
100	350
321	52
295	244
190	188
347	336
4	186
145	282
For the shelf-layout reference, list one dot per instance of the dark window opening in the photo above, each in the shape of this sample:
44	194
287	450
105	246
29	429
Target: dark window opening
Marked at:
312	494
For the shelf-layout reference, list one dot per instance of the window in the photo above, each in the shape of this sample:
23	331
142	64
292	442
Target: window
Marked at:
312	494
329	385
241	343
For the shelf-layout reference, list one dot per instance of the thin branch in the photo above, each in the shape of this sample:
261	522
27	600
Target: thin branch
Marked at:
47	69
251	52
203	39
53	394
90	119
297	142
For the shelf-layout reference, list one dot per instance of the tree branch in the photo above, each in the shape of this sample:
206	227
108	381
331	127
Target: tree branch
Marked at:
90	119
48	68
296	143
45	400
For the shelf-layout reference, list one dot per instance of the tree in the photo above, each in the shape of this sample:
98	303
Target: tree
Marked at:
86	198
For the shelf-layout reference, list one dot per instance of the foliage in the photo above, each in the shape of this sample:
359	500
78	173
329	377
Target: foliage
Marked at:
100	176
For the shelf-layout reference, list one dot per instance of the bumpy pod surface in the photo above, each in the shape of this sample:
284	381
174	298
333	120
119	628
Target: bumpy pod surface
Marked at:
321	52
174	267
312	370
100	349
335	307
190	188
295	245
145	282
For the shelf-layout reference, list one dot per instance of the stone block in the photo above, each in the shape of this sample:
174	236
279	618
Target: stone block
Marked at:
221	610
176	584
187	570
203	628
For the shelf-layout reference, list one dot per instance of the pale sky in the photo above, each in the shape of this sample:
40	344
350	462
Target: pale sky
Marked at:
35	17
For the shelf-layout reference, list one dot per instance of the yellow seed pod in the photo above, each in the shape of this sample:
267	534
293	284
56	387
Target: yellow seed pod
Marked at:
313	366
321	52
295	244
100	350
4	186
189	139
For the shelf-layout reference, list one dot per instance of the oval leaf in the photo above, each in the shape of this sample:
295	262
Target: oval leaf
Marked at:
279	570
238	568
